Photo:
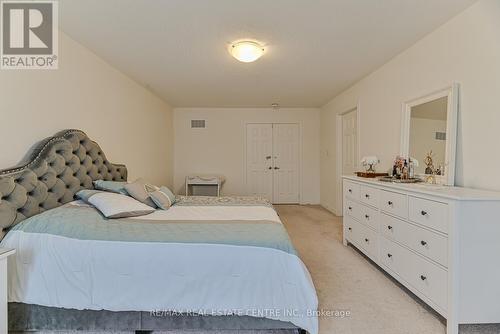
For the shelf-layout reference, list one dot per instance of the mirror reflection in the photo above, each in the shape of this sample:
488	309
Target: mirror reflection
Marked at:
428	136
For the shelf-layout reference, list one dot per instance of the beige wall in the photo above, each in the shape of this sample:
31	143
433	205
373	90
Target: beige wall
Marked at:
464	50
220	148
132	125
423	139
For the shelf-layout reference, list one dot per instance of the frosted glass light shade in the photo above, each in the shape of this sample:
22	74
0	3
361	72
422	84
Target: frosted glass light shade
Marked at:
246	51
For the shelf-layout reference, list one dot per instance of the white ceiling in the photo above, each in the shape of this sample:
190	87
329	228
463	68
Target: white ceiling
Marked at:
315	48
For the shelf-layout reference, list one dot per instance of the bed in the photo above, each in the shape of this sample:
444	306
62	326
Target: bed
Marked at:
205	264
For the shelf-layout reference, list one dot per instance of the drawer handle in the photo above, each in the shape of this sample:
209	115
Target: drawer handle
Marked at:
350	190
389	202
367	216
367	240
367	196
350	208
389	255
423	243
423	278
423	213
389	227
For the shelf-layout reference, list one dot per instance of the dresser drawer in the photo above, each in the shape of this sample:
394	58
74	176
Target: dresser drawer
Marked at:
352	230
369	217
352	208
348	230
394	258
426	277
394	203
369	195
427	243
429	213
369	242
361	236
431	280
351	189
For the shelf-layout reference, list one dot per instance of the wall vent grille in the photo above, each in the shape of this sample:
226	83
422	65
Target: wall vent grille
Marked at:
198	124
440	135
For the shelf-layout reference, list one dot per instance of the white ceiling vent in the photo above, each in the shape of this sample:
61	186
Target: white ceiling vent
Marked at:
197	124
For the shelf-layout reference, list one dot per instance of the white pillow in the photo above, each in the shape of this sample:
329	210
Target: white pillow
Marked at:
114	205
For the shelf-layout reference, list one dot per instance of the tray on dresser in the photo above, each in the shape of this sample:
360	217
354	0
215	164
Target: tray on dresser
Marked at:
393	179
370	174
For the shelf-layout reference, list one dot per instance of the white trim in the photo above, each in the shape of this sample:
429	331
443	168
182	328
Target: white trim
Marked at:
452	93
338	178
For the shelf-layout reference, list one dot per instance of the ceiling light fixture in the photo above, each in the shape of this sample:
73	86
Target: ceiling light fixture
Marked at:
246	51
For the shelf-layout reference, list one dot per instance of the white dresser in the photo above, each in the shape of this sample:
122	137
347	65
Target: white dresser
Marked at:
4	254
442	243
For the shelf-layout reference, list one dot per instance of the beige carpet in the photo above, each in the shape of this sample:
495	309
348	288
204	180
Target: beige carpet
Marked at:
346	280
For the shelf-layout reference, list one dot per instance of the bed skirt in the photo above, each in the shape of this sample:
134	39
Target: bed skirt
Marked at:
26	317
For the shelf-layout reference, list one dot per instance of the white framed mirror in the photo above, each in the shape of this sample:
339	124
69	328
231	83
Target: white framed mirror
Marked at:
429	134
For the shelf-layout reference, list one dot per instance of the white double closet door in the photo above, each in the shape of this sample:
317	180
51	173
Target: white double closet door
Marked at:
273	162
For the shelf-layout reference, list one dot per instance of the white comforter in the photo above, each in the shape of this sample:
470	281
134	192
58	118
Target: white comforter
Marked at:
211	279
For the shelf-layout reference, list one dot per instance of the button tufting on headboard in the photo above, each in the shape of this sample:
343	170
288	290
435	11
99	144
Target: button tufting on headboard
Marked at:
54	171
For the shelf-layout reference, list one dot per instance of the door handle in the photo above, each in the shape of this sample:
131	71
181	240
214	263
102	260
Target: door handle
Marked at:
268	157
276	168
270	167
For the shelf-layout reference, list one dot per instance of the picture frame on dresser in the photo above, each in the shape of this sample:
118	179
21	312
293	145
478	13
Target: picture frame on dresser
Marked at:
437	241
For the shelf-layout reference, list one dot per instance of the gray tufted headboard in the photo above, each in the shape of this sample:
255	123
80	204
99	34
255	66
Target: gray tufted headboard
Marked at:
51	174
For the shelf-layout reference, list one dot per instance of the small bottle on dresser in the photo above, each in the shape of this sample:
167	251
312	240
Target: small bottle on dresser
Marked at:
411	169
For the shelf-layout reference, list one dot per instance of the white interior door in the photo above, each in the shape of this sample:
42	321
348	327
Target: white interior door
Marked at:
259	160
349	142
286	163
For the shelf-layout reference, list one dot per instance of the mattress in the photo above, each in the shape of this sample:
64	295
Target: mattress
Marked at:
214	257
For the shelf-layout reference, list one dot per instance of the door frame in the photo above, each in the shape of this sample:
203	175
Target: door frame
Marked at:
338	176
300	154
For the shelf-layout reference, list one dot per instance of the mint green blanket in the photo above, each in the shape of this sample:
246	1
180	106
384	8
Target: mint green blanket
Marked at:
86	223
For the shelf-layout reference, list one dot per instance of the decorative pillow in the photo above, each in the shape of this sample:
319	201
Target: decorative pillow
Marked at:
114	205
112	186
163	198
139	190
86	193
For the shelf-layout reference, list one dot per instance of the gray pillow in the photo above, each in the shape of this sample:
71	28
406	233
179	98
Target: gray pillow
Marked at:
139	190
113	186
113	205
86	193
163	198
